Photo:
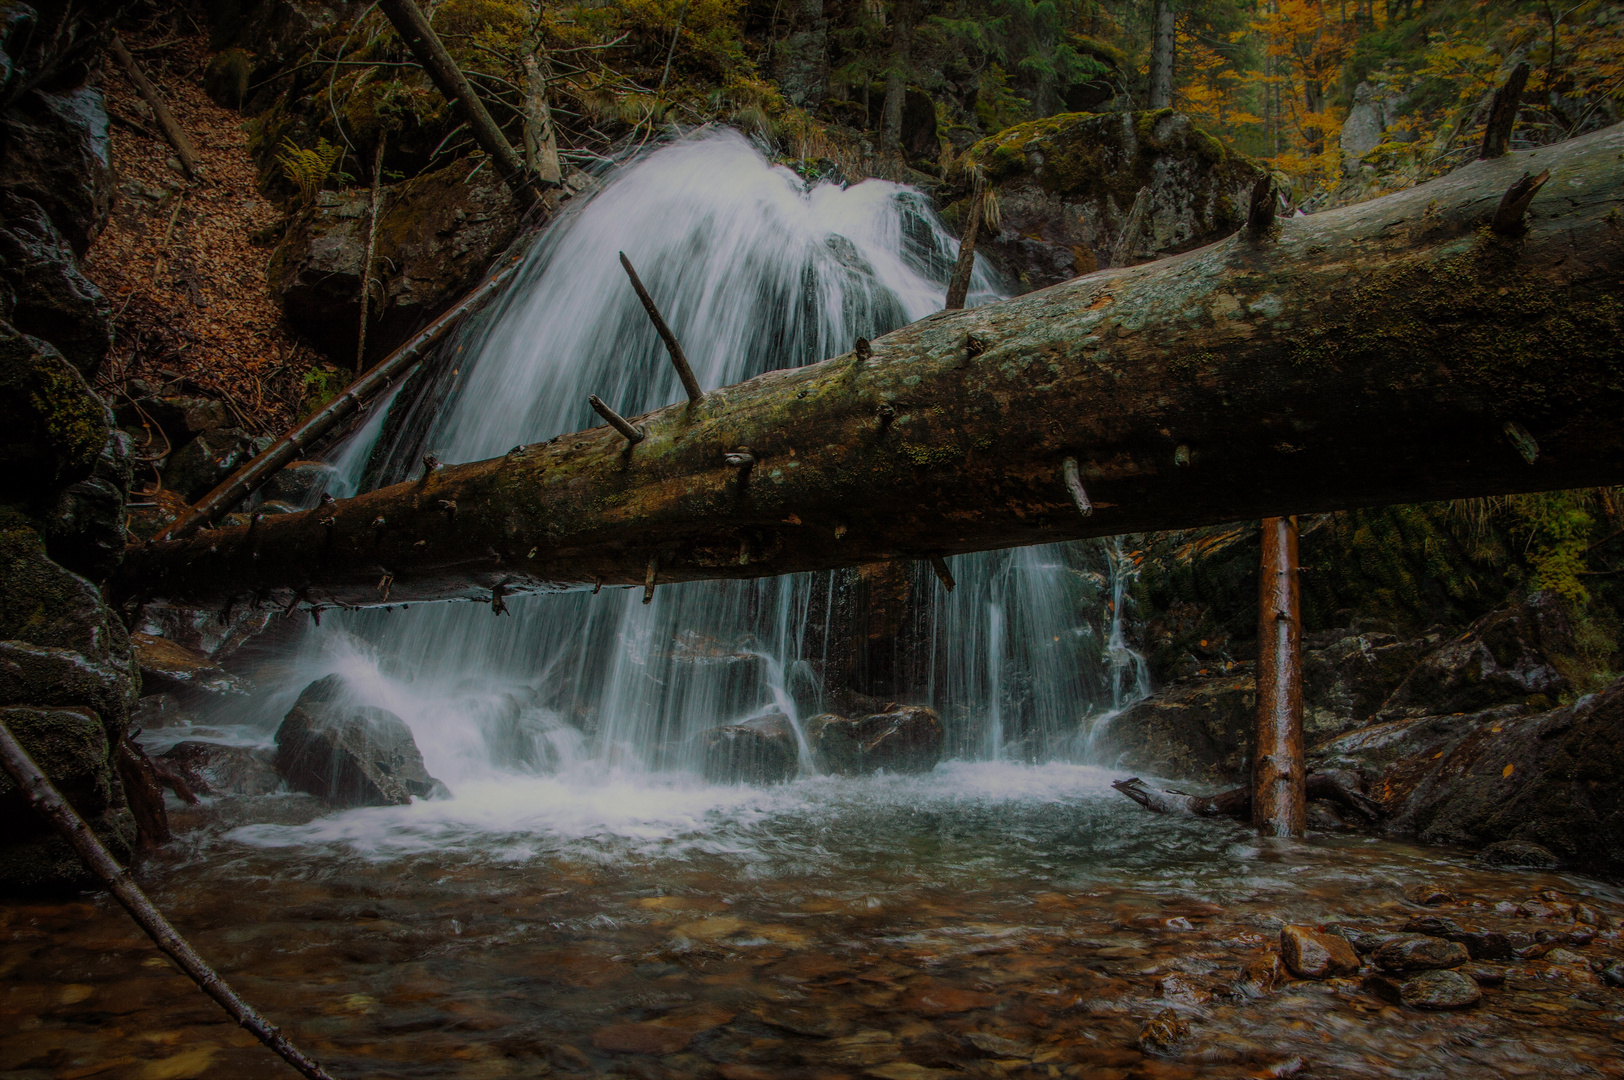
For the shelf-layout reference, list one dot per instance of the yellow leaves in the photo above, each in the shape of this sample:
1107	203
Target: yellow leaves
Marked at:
1505	773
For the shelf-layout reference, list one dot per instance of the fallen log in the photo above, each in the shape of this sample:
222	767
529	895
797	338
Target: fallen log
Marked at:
185	153
1336	785
1394	351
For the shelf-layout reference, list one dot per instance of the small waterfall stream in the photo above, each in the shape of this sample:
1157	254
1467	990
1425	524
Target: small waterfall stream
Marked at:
753	269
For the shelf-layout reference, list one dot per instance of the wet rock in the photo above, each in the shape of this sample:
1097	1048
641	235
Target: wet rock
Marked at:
53	300
1504	657
60	644
53	428
159	711
1518	854
198	467
437	234
1195	729
1080	191
1260	977
350	754
71	748
1363	941
1310	954
1544	909
640	1039
761	750
1163	1033
1323	816
1484	975
84	529
1564	956
169	667
217	769
179	416
903	739
298	482
58	155
1440	989
1428	894
1613	974
1350	676
1420	953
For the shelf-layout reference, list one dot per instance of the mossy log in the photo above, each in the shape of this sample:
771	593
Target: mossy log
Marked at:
1395	351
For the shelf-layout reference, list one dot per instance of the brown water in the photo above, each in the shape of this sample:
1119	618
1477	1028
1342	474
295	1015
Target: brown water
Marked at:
986	920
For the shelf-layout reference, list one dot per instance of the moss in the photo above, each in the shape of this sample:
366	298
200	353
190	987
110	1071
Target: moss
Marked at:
52	426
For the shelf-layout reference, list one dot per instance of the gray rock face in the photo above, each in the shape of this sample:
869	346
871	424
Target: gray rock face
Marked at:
1362	130
53	428
71	747
350	754
58	155
1197	729
84	529
904	739
761	750
53	300
198	467
1347	679
1080	191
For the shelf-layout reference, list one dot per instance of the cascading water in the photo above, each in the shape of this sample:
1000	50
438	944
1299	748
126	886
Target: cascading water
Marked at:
753	271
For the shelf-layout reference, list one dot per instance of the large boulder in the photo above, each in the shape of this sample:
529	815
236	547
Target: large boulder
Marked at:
1080	191
218	769
51	298
1349	675
84	528
168	667
350	754
53	427
1503	657
1195	729
58	155
761	750
71	747
903	739
437	235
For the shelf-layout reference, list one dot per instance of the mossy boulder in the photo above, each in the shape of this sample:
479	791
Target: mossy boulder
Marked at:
84	528
437	236
53	427
71	747
1080	191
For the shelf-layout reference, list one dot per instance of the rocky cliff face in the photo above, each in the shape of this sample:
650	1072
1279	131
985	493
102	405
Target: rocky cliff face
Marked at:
1081	191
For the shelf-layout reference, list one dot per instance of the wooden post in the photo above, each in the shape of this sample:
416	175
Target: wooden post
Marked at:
430	51
1279	778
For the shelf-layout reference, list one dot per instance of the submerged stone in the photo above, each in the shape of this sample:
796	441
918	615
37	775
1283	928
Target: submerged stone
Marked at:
1311	954
761	750
350	754
1419	953
217	769
1441	989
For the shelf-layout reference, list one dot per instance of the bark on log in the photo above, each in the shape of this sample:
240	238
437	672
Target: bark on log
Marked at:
1368	355
173	132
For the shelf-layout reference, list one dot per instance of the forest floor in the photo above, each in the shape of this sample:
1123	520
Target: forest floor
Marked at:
178	259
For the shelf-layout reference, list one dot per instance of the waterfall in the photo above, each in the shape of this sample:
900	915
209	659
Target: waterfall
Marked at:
753	269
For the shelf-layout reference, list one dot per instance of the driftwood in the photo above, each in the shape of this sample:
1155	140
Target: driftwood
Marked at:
50	804
1337	785
173	132
248	479
430	51
1394	351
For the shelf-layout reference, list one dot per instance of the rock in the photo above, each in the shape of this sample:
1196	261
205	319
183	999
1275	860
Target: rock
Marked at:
60	645
299	482
225	79
1542	909
762	750
1346	679
71	747
919	126
1428	894
1069	192
1363	941
160	711
1362	130
1503	657
633	1038
1420	953
58	155
1323	816
1564	956
53	428
904	739
198	467
180	416
84	529
350	754
1484	975
801	58
53	300
1310	954
1163	1033
1613	974
168	667
217	769
1441	989
1261	976
1518	854
1196	729
437	235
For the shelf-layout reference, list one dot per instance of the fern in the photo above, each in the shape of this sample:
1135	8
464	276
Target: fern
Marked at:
307	170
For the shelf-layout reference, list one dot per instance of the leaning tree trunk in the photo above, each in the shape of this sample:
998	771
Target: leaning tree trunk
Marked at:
1395	351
